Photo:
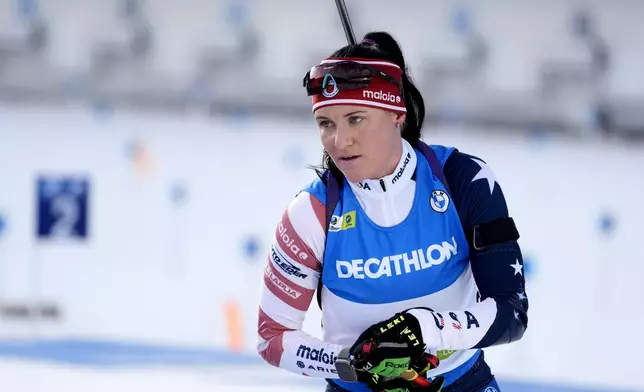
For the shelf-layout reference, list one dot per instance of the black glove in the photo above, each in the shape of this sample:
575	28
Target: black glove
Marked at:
390	347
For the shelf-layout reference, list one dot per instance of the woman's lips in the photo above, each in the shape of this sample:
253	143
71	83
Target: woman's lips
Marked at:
349	160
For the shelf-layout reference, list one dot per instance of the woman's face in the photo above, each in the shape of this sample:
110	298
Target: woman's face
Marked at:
363	142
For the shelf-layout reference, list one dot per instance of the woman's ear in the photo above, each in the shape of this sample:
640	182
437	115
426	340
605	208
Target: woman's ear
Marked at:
400	120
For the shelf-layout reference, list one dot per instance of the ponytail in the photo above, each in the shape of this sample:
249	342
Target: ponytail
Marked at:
414	101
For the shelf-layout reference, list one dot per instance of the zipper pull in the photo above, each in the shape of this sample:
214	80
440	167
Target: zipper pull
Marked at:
382	185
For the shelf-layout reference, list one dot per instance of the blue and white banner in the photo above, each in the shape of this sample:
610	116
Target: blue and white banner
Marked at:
62	207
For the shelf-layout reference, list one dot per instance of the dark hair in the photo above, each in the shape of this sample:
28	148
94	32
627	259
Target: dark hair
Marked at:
382	46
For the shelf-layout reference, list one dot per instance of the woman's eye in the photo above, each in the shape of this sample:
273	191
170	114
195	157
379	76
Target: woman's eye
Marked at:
355	119
325	124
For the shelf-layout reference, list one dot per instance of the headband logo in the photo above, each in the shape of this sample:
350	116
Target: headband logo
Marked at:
381	96
329	87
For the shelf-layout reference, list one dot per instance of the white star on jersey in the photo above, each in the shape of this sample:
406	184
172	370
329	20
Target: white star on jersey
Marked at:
522	296
517	268
485	173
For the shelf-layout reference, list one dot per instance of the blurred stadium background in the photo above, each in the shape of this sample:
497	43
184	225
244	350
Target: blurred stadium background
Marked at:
148	148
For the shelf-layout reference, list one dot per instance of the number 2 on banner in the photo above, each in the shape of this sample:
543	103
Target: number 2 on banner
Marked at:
64	209
62	204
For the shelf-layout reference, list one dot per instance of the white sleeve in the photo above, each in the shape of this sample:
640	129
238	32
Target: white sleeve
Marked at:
456	329
290	279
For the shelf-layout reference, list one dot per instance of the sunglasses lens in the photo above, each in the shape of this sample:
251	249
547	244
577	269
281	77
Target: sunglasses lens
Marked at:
345	75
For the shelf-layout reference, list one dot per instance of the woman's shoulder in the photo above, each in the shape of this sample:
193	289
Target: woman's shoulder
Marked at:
463	171
443	152
316	189
309	204
452	156
302	223
455	161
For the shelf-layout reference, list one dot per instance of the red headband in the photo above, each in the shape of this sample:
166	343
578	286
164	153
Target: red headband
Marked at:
381	93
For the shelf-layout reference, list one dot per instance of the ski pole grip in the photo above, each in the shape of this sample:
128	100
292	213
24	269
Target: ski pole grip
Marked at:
411	375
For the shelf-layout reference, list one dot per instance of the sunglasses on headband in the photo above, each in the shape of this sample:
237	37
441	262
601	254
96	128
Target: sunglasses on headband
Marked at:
347	75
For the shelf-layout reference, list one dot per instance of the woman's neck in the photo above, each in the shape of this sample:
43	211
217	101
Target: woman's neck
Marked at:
391	162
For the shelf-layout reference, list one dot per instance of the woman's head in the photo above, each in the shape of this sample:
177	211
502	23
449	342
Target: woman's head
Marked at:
361	124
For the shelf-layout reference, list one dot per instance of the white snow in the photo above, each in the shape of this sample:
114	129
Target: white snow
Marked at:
43	377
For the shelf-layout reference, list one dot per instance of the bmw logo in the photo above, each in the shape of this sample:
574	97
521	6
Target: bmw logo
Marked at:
439	201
